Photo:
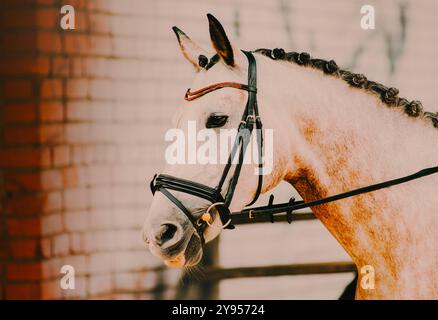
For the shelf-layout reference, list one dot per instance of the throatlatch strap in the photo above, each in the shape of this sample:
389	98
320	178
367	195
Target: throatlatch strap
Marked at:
249	118
254	110
260	160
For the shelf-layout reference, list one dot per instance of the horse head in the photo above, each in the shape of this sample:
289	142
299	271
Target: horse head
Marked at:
171	228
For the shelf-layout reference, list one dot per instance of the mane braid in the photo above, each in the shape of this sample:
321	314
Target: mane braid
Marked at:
389	96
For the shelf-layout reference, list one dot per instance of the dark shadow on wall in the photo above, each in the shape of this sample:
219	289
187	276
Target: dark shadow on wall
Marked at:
193	284
349	292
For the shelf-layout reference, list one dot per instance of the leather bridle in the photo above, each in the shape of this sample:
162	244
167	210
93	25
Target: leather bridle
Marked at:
250	120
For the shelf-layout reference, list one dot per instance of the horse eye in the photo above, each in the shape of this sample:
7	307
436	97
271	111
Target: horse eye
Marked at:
216	120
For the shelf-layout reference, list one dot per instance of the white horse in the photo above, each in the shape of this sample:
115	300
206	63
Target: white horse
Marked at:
330	136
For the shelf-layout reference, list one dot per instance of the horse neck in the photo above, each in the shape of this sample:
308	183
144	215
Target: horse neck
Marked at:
340	138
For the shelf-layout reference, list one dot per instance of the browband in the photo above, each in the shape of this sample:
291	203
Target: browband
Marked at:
192	95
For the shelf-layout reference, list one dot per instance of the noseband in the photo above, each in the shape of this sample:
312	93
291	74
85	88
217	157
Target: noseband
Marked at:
250	120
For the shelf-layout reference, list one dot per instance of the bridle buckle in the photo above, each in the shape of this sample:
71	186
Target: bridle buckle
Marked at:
207	217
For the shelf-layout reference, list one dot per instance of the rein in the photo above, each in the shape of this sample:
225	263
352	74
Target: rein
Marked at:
250	120
267	213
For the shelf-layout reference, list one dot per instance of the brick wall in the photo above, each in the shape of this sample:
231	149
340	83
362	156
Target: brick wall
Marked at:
83	114
74	154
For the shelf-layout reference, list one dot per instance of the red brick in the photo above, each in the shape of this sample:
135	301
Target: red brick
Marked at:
24	271
23	248
46	17
25	291
51	224
100	23
18	19
46	247
45	158
3	254
22	88
22	182
51	133
21	135
23	227
51	179
61	245
51	111
60	66
19	113
25	205
14	42
25	65
43	18
53	201
81	22
49	42
15	4
24	157
50	290
70	177
77	67
61	156
51	88
76	43
45	2
45	180
80	4
77	88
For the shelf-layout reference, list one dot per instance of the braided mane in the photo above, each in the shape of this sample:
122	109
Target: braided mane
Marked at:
389	96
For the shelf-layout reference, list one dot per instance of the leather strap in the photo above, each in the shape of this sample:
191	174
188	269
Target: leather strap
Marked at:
192	95
262	213
250	119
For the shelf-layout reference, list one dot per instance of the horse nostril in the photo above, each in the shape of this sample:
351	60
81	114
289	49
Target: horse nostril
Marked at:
165	233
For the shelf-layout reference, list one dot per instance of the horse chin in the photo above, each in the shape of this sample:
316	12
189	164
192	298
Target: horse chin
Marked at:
190	257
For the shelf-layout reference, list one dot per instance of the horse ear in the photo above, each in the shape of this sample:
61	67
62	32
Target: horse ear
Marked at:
220	41
190	50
